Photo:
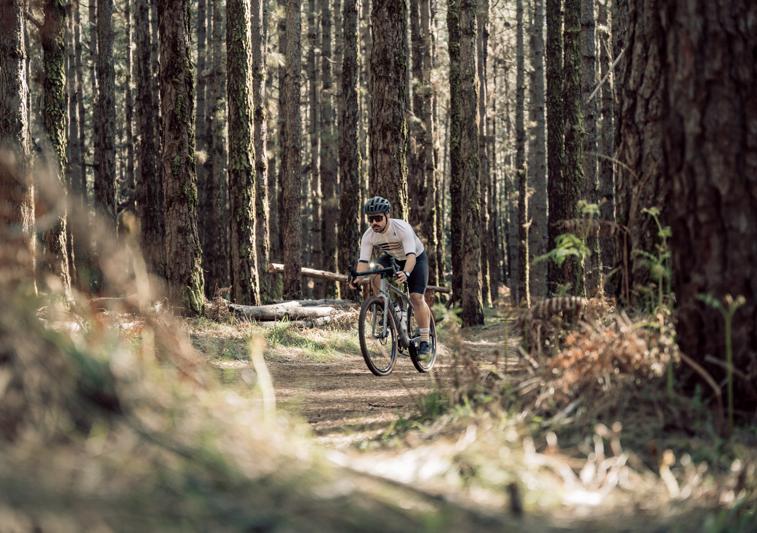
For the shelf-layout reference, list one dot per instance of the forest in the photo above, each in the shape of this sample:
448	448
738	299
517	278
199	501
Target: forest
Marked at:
187	338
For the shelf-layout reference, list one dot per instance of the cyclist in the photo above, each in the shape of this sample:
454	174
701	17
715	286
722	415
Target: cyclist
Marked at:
397	240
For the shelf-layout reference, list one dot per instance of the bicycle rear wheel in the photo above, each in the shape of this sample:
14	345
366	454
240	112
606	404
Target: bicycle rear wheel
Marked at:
378	344
427	363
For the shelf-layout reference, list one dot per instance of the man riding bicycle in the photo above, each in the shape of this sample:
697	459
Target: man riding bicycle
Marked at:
396	239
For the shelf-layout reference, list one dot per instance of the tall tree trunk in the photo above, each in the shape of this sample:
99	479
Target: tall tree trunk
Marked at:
291	156
149	182
202	90
422	166
177	99
129	112
388	87
643	179
281	131
213	198
464	160
572	182
105	115
590	109
482	45
79	177
52	34
314	240
16	189
72	142
329	228
521	273
555	131
606	138
710	139
245	279
349	153
537	160
260	141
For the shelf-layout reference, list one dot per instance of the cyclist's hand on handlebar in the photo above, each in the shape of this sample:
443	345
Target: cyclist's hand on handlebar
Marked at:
401	276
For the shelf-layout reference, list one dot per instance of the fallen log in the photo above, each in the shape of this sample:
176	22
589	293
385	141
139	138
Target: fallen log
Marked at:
290	310
334	276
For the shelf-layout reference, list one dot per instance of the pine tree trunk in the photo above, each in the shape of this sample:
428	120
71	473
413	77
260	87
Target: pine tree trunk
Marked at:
521	274
183	253
537	164
245	282
150	206
16	189
105	115
349	153
606	138
482	44
314	238
282	131
643	179
388	87
291	156
129	113
329	229
72	156
201	90
555	131
213	199
572	182
52	35
590	109
710	141
79	176
431	217
464	162
262	194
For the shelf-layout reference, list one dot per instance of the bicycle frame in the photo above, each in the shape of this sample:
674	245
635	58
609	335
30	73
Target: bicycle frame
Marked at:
386	290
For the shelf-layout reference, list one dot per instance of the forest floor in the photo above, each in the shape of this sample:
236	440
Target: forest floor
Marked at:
403	428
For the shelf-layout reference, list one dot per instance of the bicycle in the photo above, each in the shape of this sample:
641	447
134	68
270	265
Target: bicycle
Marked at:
387	324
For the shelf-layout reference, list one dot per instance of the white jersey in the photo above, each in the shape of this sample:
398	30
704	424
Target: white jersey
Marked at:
398	240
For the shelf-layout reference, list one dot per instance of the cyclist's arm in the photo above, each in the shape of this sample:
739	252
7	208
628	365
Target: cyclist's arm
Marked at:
409	263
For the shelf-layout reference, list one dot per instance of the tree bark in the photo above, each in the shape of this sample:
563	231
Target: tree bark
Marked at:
710	145
202	90
291	156
329	212
313	243
183	253
105	111
52	35
572	183
555	131
643	179
388	87
260	142
521	283
245	278
130	203
16	189
150	207
464	161
606	137
537	164
349	153
214	232
590	108
482	45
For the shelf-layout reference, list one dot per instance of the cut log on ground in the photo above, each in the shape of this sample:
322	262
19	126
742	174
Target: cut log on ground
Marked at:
287	310
334	276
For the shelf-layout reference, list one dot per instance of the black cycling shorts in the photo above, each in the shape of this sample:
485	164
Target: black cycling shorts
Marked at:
418	277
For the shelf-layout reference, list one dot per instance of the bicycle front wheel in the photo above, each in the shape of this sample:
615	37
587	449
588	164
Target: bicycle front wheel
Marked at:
378	341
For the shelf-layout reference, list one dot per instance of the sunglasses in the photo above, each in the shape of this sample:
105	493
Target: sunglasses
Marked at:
375	218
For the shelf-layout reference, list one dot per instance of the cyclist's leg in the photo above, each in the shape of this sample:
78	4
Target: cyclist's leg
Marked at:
417	286
384	260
